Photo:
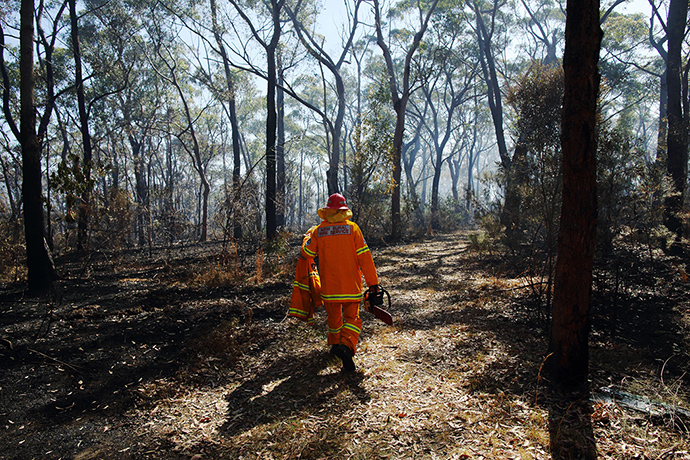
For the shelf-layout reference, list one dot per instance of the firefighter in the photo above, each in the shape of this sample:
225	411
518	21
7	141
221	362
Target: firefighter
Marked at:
343	257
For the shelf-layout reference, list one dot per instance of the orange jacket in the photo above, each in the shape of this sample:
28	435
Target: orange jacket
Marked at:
343	257
306	291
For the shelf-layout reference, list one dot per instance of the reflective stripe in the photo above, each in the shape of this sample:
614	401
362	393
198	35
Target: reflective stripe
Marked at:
334	331
310	253
297	312
304	287
362	250
342	297
352	327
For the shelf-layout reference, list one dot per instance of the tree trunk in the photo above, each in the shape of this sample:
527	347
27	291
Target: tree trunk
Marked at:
662	134
400	94
271	126
280	150
85	199
141	189
272	122
677	149
511	206
568	346
41	271
232	113
396	220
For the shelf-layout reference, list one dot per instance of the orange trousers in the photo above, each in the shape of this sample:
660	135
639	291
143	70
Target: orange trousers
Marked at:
344	323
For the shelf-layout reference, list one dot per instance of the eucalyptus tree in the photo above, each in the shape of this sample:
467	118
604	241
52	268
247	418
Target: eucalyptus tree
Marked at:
371	164
231	108
266	31
171	66
360	52
474	140
131	117
449	82
659	41
315	46
544	26
210	23
41	271
401	86
677	144
635	77
568	346
491	22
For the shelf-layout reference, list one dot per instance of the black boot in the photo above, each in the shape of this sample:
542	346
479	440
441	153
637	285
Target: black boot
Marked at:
345	354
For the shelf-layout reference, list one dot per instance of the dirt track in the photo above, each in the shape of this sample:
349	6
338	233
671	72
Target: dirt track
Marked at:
145	360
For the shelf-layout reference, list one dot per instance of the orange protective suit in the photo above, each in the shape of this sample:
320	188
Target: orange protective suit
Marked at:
343	258
306	289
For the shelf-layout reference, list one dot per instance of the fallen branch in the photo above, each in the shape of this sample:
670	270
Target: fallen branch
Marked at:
53	359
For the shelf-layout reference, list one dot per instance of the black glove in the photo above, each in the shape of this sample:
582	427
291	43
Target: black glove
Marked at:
374	295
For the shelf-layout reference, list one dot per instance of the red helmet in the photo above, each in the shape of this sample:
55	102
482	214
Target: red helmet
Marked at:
336	201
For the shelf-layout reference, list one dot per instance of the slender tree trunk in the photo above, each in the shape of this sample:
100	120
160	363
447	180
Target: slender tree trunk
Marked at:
85	199
316	50
677	148
280	150
662	132
232	113
400	94
272	122
141	189
511	207
568	346
271	126
41	271
396	221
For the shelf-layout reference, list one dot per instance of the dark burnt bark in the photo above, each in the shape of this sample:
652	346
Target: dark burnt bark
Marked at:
85	198
280	151
568	347
677	149
41	271
511	206
234	125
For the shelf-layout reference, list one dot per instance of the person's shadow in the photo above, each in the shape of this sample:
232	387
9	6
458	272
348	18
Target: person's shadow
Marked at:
291	384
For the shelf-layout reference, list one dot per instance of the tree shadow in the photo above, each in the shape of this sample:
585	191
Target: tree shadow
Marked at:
570	427
292	385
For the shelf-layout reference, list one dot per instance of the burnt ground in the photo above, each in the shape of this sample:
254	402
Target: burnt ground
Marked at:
187	353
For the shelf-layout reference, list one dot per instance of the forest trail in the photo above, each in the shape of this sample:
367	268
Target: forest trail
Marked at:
144	361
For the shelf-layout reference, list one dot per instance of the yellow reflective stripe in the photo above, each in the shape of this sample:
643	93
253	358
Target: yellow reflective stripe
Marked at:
361	251
352	327
297	312
334	331
310	253
304	287
342	297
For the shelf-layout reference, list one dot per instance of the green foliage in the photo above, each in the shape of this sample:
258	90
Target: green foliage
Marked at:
451	215
12	252
631	191
70	179
112	218
372	163
489	235
537	100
